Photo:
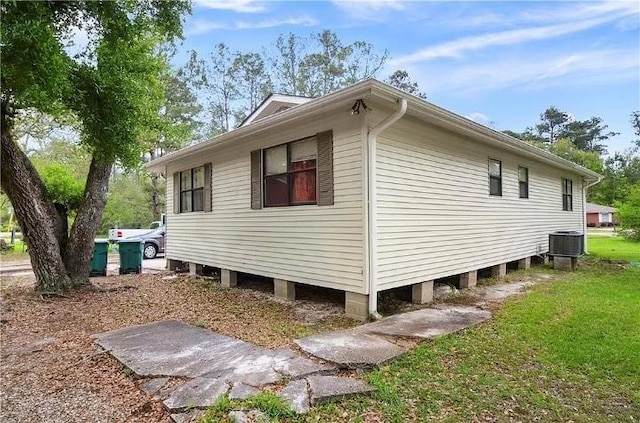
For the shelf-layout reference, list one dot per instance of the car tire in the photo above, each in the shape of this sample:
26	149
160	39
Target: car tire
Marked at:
150	251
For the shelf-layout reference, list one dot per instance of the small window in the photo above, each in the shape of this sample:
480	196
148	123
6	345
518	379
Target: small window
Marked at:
495	177
192	190
523	181
290	173
567	195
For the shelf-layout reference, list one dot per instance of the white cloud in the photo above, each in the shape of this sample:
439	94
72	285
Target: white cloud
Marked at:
540	14
240	6
580	19
370	9
481	118
198	27
532	73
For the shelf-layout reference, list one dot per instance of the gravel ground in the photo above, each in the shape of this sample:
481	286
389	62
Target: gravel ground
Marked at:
51	370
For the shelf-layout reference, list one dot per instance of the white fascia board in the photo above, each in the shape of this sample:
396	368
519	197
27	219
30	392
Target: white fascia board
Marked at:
459	124
318	106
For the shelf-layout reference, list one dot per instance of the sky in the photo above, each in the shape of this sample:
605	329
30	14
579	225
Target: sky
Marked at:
498	63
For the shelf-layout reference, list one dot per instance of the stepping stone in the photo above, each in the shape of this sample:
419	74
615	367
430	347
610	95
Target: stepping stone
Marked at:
197	393
329	388
191	416
241	391
350	349
296	395
428	322
299	367
502	291
173	348
151	386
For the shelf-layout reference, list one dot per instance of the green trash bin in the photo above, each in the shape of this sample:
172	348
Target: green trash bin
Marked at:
99	259
130	255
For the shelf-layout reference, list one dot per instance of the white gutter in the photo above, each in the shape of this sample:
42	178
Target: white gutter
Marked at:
372	136
584	211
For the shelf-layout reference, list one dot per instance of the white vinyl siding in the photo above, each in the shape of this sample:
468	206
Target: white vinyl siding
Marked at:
317	245
435	217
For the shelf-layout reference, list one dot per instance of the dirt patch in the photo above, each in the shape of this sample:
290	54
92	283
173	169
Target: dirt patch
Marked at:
52	371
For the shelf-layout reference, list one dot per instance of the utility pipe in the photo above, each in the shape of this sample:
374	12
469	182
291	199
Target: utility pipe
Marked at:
372	136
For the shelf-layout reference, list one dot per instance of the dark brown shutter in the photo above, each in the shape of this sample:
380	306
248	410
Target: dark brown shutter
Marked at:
176	192
207	187
256	179
325	168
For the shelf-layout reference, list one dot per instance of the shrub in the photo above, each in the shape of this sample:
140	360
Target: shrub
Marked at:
629	214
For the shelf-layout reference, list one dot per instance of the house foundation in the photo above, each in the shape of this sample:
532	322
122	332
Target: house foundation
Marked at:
173	265
356	305
195	269
422	293
228	278
469	279
565	263
499	271
284	289
524	263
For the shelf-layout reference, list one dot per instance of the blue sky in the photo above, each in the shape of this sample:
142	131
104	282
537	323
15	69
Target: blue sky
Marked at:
499	63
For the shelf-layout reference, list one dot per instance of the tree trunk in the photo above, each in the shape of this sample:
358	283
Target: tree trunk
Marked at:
87	221
42	227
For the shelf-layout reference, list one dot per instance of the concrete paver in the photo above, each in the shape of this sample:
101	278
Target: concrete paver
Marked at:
330	388
200	393
350	348
296	395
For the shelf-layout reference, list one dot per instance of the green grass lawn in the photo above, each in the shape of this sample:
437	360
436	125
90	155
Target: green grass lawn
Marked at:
614	248
19	252
568	351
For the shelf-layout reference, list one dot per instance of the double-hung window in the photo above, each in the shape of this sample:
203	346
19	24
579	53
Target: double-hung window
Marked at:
495	177
523	181
567	194
290	173
192	190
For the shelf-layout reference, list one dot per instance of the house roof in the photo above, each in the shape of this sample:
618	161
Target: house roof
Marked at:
274	103
597	208
365	90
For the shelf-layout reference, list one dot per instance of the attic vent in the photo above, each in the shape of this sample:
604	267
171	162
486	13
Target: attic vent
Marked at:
282	109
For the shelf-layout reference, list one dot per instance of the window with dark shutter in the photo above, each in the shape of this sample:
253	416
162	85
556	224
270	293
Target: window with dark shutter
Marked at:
325	168
256	179
296	173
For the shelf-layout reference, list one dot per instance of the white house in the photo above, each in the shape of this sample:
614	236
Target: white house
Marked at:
363	190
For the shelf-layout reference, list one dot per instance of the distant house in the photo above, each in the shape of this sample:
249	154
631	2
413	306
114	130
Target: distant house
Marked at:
364	190
598	215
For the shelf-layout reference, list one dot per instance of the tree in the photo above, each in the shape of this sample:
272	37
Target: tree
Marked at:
629	214
635	122
128	205
254	83
114	89
401	80
322	63
588	135
567	150
552	123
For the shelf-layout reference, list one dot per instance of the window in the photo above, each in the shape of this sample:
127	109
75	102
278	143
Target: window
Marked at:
567	195
192	190
523	181
290	173
495	177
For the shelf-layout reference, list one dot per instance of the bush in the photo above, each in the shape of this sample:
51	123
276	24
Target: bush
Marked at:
629	214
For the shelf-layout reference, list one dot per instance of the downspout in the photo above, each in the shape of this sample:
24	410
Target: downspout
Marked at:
584	211
372	136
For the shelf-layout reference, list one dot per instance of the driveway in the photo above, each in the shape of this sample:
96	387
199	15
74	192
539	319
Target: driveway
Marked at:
23	268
